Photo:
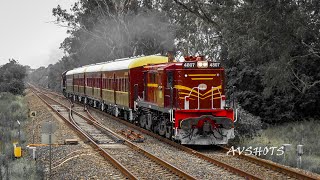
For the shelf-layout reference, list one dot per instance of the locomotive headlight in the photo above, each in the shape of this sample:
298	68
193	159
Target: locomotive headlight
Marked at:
202	64
205	64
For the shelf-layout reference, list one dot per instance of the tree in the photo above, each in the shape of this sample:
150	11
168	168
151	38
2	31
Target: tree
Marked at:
270	48
12	77
271	51
104	30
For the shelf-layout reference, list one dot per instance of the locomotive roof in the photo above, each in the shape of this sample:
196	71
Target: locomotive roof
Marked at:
120	64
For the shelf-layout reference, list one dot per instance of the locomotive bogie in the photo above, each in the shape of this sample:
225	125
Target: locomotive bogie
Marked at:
195	138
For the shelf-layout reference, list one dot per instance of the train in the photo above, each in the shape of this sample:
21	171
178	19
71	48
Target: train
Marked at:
182	101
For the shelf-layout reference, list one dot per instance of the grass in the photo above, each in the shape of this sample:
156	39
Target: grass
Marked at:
305	133
13	108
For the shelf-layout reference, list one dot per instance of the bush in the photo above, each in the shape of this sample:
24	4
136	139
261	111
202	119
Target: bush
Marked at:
304	133
12	76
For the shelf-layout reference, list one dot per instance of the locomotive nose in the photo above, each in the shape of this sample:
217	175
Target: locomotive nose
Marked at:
200	122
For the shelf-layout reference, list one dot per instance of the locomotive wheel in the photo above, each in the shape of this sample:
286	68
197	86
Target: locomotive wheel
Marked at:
155	128
148	123
168	131
162	128
125	115
142	121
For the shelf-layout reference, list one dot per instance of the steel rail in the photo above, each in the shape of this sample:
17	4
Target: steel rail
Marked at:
183	148
101	151
161	162
262	162
186	149
273	166
174	169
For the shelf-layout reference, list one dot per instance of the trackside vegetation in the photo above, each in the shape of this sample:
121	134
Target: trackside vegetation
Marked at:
12	110
252	132
12	77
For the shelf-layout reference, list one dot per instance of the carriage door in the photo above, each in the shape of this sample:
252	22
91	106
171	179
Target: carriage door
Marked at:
114	88
168	90
145	90
160	89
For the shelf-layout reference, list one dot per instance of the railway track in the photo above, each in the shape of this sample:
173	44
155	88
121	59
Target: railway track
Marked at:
239	164
129	159
65	113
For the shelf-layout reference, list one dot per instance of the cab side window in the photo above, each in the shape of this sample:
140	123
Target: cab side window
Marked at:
170	79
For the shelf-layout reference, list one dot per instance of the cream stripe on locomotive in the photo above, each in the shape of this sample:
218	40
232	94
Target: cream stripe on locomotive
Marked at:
202	98
194	92
195	75
188	89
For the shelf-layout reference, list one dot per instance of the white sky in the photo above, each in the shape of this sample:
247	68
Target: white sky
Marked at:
27	33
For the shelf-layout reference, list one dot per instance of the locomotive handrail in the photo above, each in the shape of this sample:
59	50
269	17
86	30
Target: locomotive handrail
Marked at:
212	88
220	98
198	95
236	118
212	97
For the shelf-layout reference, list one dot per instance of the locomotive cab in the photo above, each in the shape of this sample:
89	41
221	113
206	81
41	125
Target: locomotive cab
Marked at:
186	102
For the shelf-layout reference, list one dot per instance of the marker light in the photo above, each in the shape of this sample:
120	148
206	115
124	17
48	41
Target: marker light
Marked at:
202	64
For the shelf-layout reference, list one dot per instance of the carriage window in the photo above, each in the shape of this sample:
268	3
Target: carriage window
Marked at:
123	85
110	84
170	79
152	78
120	84
126	85
117	84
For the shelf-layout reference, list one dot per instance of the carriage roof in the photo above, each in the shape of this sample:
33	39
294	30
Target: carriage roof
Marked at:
120	64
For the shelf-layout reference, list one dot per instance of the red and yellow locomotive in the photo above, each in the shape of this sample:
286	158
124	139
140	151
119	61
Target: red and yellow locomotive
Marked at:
183	101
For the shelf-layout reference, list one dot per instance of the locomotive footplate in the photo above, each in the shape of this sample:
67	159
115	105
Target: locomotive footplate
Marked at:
192	122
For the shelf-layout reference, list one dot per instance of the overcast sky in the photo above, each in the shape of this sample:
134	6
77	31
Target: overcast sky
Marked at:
26	33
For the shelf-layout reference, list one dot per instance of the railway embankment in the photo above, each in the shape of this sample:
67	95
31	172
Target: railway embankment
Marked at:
252	133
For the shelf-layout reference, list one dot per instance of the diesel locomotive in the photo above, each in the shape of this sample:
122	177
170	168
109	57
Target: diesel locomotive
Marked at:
183	101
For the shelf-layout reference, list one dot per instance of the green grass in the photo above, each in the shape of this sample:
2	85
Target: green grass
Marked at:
13	108
305	133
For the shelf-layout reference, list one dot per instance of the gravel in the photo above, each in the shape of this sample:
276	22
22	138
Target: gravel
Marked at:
194	166
68	161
